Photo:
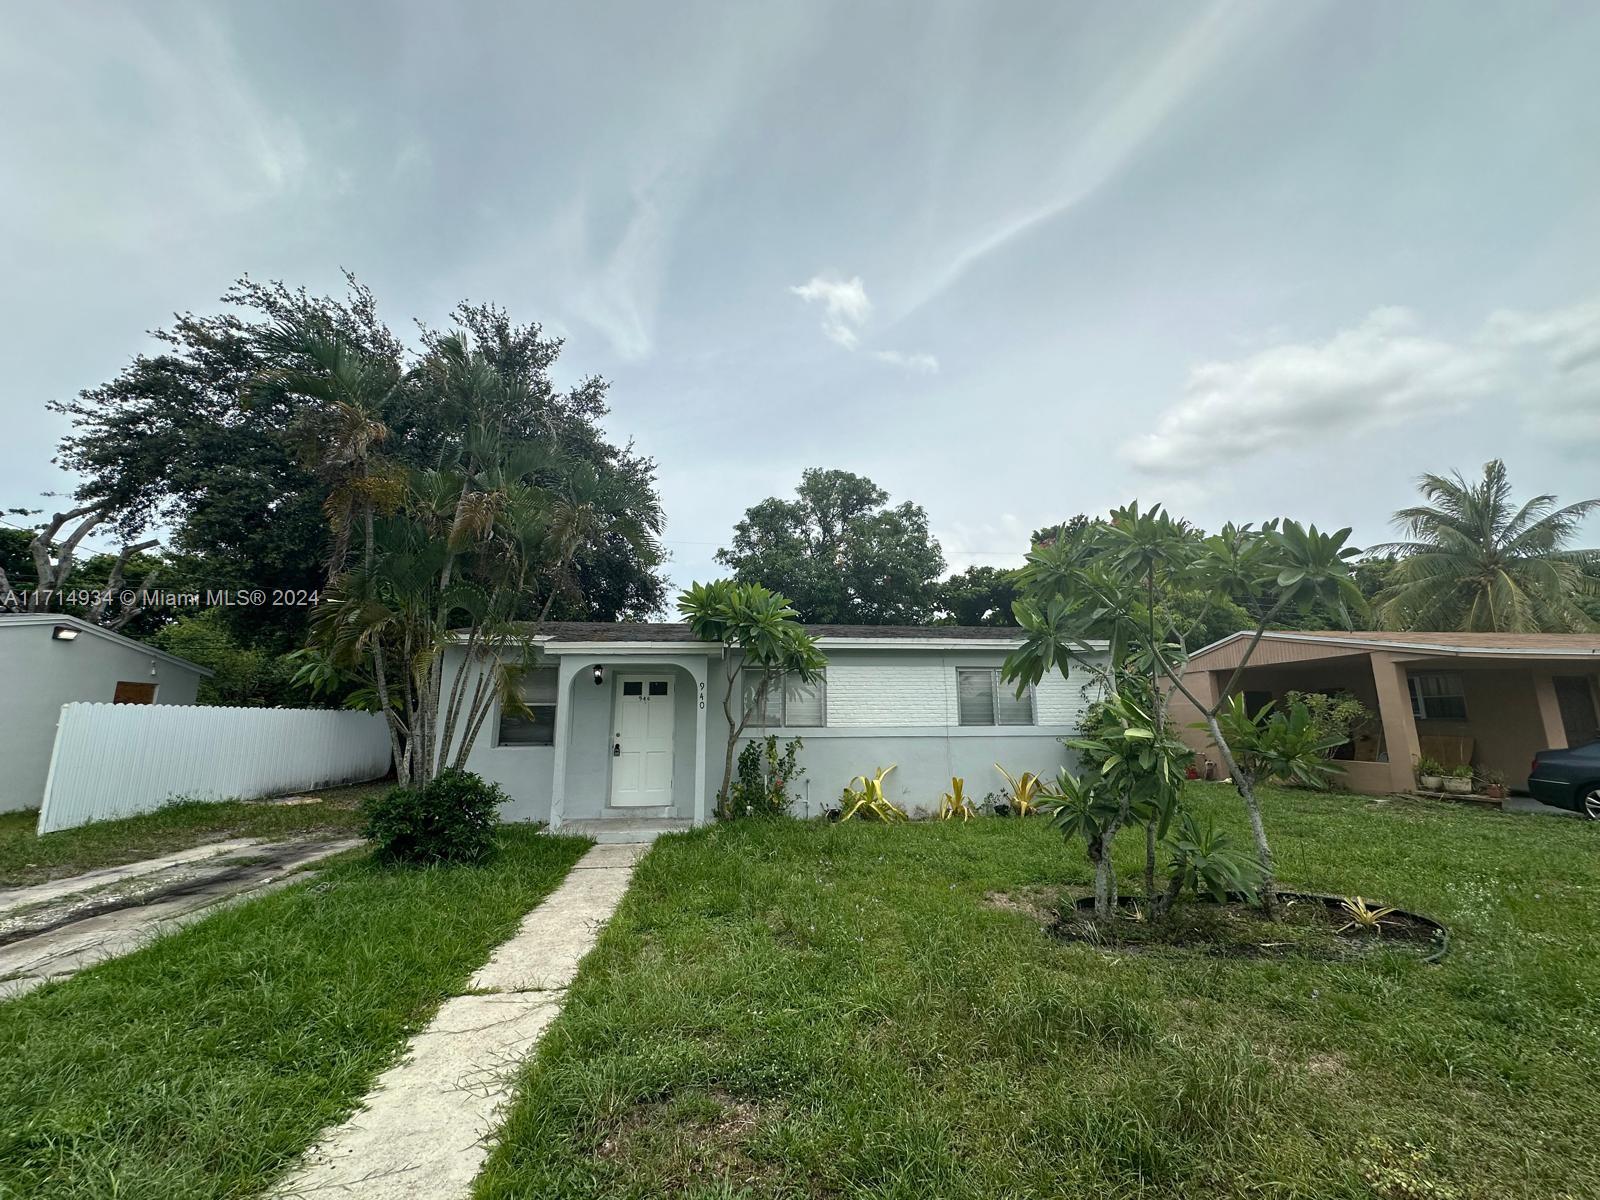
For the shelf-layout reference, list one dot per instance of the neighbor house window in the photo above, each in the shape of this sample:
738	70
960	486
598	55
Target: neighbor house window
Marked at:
789	702
536	726
1437	697
982	699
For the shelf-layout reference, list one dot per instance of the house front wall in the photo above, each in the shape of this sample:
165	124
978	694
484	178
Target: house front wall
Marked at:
899	708
883	707
43	673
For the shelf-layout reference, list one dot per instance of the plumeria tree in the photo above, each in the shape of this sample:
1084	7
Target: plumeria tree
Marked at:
759	630
1110	587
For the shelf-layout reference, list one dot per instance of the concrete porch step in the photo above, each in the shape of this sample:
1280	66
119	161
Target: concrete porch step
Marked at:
610	830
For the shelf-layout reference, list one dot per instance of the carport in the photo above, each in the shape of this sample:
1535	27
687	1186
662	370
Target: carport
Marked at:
1491	700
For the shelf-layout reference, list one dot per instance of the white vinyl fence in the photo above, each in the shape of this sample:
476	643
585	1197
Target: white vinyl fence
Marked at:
116	760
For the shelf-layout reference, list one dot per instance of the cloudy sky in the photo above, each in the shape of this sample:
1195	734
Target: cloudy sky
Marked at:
1012	261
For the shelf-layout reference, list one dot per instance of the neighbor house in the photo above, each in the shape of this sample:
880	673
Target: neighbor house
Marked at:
628	722
1490	700
47	660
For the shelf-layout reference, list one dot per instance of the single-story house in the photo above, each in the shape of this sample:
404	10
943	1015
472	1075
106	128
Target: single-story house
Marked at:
1491	700
628	720
50	659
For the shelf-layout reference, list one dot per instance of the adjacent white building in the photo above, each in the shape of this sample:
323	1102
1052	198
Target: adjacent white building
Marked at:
47	660
629	723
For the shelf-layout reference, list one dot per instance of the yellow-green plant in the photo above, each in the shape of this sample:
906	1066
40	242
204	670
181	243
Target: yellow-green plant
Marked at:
1025	790
955	803
869	800
1363	917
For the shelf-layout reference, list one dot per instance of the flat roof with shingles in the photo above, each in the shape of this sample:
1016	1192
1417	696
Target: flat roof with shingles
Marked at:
679	631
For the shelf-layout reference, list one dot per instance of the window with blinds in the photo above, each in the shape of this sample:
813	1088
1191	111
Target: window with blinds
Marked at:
982	699
789	702
536	726
1437	696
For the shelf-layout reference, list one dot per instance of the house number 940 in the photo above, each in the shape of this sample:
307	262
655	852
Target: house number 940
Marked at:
702	695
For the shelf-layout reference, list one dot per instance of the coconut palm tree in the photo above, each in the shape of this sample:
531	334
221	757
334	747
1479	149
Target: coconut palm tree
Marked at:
1478	563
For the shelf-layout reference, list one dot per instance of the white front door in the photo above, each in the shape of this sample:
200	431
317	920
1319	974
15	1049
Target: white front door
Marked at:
641	743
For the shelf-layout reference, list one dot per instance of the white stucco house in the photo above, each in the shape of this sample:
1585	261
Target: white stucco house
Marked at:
50	659
629	721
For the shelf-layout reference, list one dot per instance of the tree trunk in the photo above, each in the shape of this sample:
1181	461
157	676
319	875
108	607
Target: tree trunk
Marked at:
1105	884
1168	898
733	739
1150	861
1243	785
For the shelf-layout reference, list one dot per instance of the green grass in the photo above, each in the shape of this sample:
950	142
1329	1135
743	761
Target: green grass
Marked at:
27	858
804	1010
206	1063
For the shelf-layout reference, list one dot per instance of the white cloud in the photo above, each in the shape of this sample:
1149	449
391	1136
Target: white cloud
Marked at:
921	364
1381	373
845	310
1557	354
845	307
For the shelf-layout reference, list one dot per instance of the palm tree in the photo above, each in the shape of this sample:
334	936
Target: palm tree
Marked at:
1477	563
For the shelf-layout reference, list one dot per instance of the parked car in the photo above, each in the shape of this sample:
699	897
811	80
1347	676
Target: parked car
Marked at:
1568	779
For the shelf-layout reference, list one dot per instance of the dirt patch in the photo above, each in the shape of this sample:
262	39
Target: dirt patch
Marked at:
1041	902
692	1138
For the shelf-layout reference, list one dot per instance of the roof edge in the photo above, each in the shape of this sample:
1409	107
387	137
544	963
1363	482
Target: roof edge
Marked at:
111	635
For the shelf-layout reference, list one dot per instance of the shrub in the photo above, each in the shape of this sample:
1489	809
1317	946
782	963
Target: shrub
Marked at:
761	786
1337	716
1204	859
449	819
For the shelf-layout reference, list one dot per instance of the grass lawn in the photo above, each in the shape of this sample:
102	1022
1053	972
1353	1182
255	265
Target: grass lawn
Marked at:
203	1065
27	858
805	1010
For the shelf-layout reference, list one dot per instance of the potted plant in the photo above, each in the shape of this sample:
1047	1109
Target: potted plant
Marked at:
1429	774
1459	781
1494	785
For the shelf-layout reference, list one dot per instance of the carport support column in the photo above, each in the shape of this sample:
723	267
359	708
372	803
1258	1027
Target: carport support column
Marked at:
698	669
1555	729
1394	712
567	672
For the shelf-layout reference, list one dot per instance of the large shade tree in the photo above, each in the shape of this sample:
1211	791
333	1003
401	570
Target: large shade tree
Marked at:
977	596
204	439
1475	560
840	552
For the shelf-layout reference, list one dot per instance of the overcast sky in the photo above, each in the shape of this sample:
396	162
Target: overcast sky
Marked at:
1012	261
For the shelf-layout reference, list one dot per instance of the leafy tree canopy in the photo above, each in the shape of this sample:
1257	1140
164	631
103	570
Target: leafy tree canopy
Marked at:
190	439
977	596
840	552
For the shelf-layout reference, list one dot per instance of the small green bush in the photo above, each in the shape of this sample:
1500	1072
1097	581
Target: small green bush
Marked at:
450	819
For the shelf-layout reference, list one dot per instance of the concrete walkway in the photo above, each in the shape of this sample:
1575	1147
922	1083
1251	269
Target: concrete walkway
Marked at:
53	931
425	1126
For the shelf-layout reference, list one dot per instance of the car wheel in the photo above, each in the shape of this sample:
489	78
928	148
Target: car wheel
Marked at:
1591	803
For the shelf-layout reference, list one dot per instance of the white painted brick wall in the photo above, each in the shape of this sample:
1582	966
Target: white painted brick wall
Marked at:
886	690
909	689
1061	701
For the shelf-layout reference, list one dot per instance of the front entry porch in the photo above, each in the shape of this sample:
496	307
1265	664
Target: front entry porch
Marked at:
630	740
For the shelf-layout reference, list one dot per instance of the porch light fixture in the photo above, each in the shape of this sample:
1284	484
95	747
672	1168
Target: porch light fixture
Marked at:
599	674
64	633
